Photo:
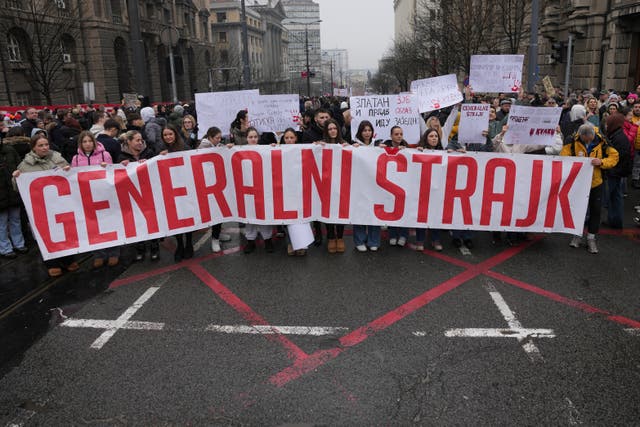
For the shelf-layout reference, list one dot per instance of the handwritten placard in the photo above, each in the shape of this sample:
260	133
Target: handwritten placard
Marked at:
385	112
532	125
496	73
220	108
474	119
436	92
275	113
548	86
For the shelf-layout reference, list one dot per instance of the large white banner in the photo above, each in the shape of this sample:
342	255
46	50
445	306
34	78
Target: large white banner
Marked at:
532	125
275	113
474	119
385	112
88	208
220	108
436	92
496	73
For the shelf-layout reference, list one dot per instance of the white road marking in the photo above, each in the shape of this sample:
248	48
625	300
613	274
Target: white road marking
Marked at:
465	251
633	331
201	241
500	333
284	330
109	324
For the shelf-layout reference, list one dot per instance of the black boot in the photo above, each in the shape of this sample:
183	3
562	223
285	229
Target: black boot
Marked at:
179	253
268	245
250	246
155	250
188	246
140	250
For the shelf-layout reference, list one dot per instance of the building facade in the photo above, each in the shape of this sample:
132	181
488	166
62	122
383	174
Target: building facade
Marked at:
335	69
92	41
303	24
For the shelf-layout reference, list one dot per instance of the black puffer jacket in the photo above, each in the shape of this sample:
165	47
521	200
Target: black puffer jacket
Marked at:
313	134
9	161
620	142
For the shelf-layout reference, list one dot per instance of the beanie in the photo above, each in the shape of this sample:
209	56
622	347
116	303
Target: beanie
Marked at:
147	114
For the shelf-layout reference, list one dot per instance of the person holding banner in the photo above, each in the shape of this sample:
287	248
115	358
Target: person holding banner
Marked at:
41	158
430	140
397	235
239	128
588	142
190	131
251	230
366	235
134	149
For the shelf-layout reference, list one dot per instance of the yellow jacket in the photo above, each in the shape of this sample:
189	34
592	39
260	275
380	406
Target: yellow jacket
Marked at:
608	162
636	121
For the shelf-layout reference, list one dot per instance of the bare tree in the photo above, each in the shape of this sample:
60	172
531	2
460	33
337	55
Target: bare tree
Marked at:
46	30
514	22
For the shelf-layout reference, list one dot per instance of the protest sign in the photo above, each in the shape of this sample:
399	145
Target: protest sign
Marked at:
474	119
385	112
496	73
275	113
300	235
532	125
89	208
130	99
548	86
340	92
436	92
448	126
220	108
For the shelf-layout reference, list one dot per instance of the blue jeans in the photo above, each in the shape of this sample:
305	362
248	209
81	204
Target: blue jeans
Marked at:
421	234
462	234
614	202
366	234
397	232
10	230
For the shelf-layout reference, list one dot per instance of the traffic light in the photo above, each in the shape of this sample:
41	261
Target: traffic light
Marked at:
558	52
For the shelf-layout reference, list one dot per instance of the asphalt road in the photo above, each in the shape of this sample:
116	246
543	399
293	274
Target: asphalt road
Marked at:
535	334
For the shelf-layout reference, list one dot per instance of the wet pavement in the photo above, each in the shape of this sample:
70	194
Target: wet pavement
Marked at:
537	333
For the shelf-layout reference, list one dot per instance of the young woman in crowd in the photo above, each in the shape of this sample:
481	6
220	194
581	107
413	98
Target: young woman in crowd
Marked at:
430	141
173	141
366	235
134	149
41	158
397	235
239	128
190	132
593	111
251	230
433	122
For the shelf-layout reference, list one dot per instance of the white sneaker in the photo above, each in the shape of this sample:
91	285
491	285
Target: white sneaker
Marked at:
420	248
402	241
215	245
393	241
361	248
591	246
224	237
576	241
373	248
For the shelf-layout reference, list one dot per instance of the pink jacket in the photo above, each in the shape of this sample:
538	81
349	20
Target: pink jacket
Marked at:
99	155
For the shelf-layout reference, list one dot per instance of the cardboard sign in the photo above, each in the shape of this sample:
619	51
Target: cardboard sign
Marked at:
496	73
532	125
385	112
548	86
436	92
220	108
474	119
275	113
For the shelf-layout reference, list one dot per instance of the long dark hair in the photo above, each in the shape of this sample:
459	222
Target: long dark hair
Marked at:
242	114
212	132
363	124
325	132
423	141
285	132
178	144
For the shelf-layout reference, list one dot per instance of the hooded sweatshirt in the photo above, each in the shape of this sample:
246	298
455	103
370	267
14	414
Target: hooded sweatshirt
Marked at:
96	157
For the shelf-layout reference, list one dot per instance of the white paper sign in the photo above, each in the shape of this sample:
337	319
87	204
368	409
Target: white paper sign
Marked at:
385	112
275	113
474	119
300	235
448	126
496	73
340	92
532	125
220	108
436	92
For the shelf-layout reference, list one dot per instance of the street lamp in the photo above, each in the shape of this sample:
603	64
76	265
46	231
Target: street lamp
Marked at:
306	48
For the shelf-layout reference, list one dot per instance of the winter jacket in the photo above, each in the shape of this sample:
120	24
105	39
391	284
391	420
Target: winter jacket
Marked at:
8	163
619	141
500	147
97	156
153	135
112	145
28	125
33	163
636	121
96	129
126	154
238	137
313	134
19	143
580	150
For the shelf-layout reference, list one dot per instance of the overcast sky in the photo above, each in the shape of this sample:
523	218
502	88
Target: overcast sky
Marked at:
363	27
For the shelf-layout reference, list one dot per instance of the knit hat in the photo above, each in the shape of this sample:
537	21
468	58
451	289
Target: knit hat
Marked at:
147	114
632	96
614	122
35	131
178	109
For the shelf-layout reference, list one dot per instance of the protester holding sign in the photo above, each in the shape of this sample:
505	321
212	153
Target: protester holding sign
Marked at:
589	143
431	140
366	235
41	158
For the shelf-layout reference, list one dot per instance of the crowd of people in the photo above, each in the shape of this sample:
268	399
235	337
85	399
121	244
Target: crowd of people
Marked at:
601	125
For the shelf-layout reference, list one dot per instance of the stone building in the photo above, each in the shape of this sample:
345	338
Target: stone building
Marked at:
605	39
92	42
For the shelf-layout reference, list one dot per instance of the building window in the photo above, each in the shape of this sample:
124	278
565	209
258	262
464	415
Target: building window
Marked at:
60	3
222	37
13	49
221	17
150	10
205	30
14	4
22	98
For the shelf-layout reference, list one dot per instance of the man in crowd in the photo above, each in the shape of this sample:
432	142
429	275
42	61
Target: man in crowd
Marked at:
315	132
30	120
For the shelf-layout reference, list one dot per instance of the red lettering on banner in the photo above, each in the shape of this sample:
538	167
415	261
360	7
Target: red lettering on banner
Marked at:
256	190
561	195
394	189
489	196
278	192
345	184
427	161
534	195
67	219
126	190
323	185
91	207
169	193
464	194
203	191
